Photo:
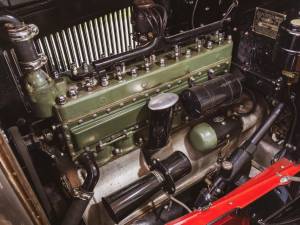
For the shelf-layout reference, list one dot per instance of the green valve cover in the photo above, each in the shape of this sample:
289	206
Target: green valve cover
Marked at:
203	137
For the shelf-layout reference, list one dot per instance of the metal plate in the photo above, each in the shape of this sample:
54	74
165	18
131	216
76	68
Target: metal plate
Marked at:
266	22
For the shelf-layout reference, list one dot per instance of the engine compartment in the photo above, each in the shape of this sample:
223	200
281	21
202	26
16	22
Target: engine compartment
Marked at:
141	112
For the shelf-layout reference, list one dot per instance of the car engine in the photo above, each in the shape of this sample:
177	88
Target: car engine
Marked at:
149	112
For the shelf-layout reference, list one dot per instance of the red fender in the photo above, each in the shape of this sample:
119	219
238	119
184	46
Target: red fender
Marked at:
220	211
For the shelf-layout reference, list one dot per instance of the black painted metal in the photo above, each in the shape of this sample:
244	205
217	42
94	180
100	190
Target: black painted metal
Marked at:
214	94
287	49
123	202
156	44
239	159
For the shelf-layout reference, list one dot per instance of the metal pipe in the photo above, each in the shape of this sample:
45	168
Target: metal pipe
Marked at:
126	56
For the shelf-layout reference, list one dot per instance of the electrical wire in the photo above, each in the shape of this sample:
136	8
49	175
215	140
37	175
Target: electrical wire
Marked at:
281	210
287	222
180	203
157	18
233	5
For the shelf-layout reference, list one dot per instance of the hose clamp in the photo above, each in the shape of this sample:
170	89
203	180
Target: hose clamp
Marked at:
22	33
81	194
36	64
168	181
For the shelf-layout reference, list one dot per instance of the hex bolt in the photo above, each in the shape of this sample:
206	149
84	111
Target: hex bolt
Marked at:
123	68
89	83
199	44
119	76
56	75
177	51
74	69
220	40
284	180
85	67
61	100
147	66
188	53
116	151
209	45
73	92
162	62
104	82
134	72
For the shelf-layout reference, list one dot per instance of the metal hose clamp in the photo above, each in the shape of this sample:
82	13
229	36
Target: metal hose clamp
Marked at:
36	64
22	33
81	194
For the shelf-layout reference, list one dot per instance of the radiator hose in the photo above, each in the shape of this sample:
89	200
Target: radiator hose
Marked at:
74	213
5	18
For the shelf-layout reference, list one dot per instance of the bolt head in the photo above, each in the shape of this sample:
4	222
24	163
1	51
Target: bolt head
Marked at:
61	100
73	92
284	180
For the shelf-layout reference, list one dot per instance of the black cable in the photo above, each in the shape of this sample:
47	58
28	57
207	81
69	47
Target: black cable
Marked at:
9	19
160	22
282	209
165	16
294	122
145	14
193	14
291	133
233	5
286	222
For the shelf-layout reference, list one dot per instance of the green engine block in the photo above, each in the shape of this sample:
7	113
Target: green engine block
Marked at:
110	120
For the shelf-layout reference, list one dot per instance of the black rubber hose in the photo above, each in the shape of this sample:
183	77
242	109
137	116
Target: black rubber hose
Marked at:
9	19
88	162
256	138
74	213
293	126
285	151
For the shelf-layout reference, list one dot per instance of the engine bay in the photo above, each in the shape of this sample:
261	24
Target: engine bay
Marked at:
149	112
